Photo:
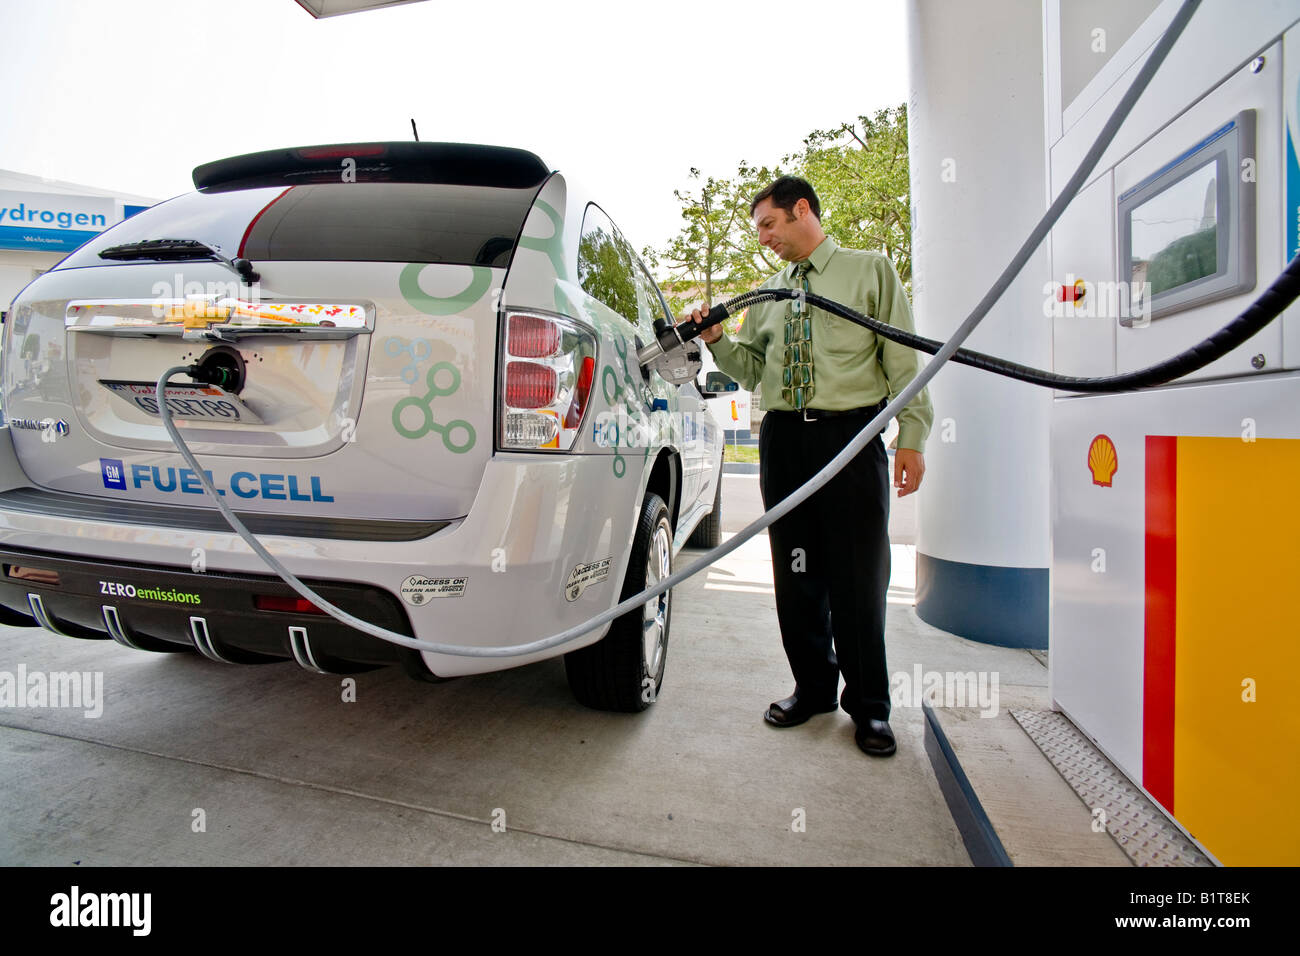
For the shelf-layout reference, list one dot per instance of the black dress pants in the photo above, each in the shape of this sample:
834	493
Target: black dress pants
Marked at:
830	559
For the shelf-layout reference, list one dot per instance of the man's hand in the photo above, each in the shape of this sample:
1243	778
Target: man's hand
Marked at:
709	335
909	467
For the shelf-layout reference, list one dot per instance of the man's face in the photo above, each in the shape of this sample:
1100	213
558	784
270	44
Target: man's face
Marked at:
780	231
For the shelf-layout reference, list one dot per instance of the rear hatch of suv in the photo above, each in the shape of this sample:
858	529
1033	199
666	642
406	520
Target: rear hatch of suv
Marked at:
348	291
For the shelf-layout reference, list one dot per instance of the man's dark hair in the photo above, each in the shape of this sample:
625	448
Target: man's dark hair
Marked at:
787	191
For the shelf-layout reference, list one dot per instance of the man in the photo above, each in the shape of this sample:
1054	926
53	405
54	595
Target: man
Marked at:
823	379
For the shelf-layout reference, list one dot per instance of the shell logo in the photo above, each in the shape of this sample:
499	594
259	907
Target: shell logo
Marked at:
1103	460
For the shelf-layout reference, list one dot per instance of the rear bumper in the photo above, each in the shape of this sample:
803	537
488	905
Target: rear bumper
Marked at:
154	609
534	520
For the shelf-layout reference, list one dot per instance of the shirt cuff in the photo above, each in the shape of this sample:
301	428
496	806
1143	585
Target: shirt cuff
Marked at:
911	435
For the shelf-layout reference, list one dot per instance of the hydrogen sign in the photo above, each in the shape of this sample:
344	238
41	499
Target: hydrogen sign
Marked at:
55	222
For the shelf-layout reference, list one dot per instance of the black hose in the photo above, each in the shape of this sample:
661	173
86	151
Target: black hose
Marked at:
1283	291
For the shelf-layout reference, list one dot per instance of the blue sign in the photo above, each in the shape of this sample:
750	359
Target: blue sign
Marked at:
57	222
55	240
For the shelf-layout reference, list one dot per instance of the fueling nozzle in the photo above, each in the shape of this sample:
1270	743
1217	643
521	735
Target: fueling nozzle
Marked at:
672	354
221	366
671	338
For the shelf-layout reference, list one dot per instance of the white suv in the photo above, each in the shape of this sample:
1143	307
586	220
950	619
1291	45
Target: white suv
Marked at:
420	391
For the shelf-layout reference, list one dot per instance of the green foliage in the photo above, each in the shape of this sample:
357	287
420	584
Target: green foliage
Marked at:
860	172
697	256
748	454
749	263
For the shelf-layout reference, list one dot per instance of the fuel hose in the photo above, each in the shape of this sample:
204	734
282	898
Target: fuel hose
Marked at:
1265	308
1281	293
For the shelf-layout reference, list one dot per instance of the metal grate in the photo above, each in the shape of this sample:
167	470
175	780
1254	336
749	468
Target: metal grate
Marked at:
1140	828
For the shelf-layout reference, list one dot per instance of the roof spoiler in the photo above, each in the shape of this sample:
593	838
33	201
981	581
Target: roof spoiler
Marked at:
453	164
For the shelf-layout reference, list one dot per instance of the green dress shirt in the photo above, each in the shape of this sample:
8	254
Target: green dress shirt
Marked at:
852	367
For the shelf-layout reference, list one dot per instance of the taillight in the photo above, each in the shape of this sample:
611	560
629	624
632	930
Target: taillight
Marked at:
547	367
581	393
529	385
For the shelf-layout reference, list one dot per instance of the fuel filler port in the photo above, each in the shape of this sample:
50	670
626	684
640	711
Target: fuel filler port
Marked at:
221	366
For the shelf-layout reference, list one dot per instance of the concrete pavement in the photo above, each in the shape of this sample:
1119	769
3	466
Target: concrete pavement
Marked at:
197	763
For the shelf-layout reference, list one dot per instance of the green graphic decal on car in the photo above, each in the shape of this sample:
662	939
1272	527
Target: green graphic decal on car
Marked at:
614	395
622	393
424	405
409	285
640	414
565	304
551	246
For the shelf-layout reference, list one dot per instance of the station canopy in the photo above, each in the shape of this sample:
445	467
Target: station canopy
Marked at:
335	8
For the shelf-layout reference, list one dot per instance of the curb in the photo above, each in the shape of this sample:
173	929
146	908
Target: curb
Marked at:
982	843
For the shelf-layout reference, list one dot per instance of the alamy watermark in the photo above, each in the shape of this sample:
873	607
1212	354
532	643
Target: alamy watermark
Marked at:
946	688
82	690
126	910
170	295
1075	298
616	429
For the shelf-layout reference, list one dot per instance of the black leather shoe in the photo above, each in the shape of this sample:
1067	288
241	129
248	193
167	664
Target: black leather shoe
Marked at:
795	710
875	738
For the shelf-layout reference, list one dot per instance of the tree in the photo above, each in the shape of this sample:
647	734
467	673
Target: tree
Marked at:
697	257
860	172
748	262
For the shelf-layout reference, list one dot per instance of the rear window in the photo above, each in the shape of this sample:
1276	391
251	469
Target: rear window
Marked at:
367	222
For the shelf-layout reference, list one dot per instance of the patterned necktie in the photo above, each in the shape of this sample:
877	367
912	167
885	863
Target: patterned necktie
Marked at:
797	370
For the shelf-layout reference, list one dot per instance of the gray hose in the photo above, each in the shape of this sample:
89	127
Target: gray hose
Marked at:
868	433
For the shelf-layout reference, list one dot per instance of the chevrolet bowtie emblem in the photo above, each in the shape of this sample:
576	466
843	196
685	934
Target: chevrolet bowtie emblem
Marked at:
198	314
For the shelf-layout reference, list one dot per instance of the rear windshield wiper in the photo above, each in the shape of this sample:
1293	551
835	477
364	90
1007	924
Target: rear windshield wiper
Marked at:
177	250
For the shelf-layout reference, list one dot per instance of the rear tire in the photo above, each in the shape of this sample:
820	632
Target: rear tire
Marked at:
624	670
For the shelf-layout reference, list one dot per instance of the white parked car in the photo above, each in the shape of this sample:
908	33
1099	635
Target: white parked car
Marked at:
418	387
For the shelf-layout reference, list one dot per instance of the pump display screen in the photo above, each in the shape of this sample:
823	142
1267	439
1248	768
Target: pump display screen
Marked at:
1187	230
1175	234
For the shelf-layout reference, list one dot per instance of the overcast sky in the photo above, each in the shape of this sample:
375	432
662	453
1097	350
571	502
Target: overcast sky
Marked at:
130	95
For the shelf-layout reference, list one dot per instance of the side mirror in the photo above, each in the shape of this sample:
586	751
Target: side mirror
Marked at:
716	383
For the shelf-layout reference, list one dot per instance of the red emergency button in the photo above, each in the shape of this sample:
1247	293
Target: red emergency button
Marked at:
1071	293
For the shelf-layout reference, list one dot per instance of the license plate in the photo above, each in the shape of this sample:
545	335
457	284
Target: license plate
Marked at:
195	402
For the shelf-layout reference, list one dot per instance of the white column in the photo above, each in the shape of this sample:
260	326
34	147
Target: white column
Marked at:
977	150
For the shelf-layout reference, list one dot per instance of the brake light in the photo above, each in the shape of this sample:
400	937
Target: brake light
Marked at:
529	385
341	152
532	336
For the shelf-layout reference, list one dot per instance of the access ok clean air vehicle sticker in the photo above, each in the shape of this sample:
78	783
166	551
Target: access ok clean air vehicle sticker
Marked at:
419	589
